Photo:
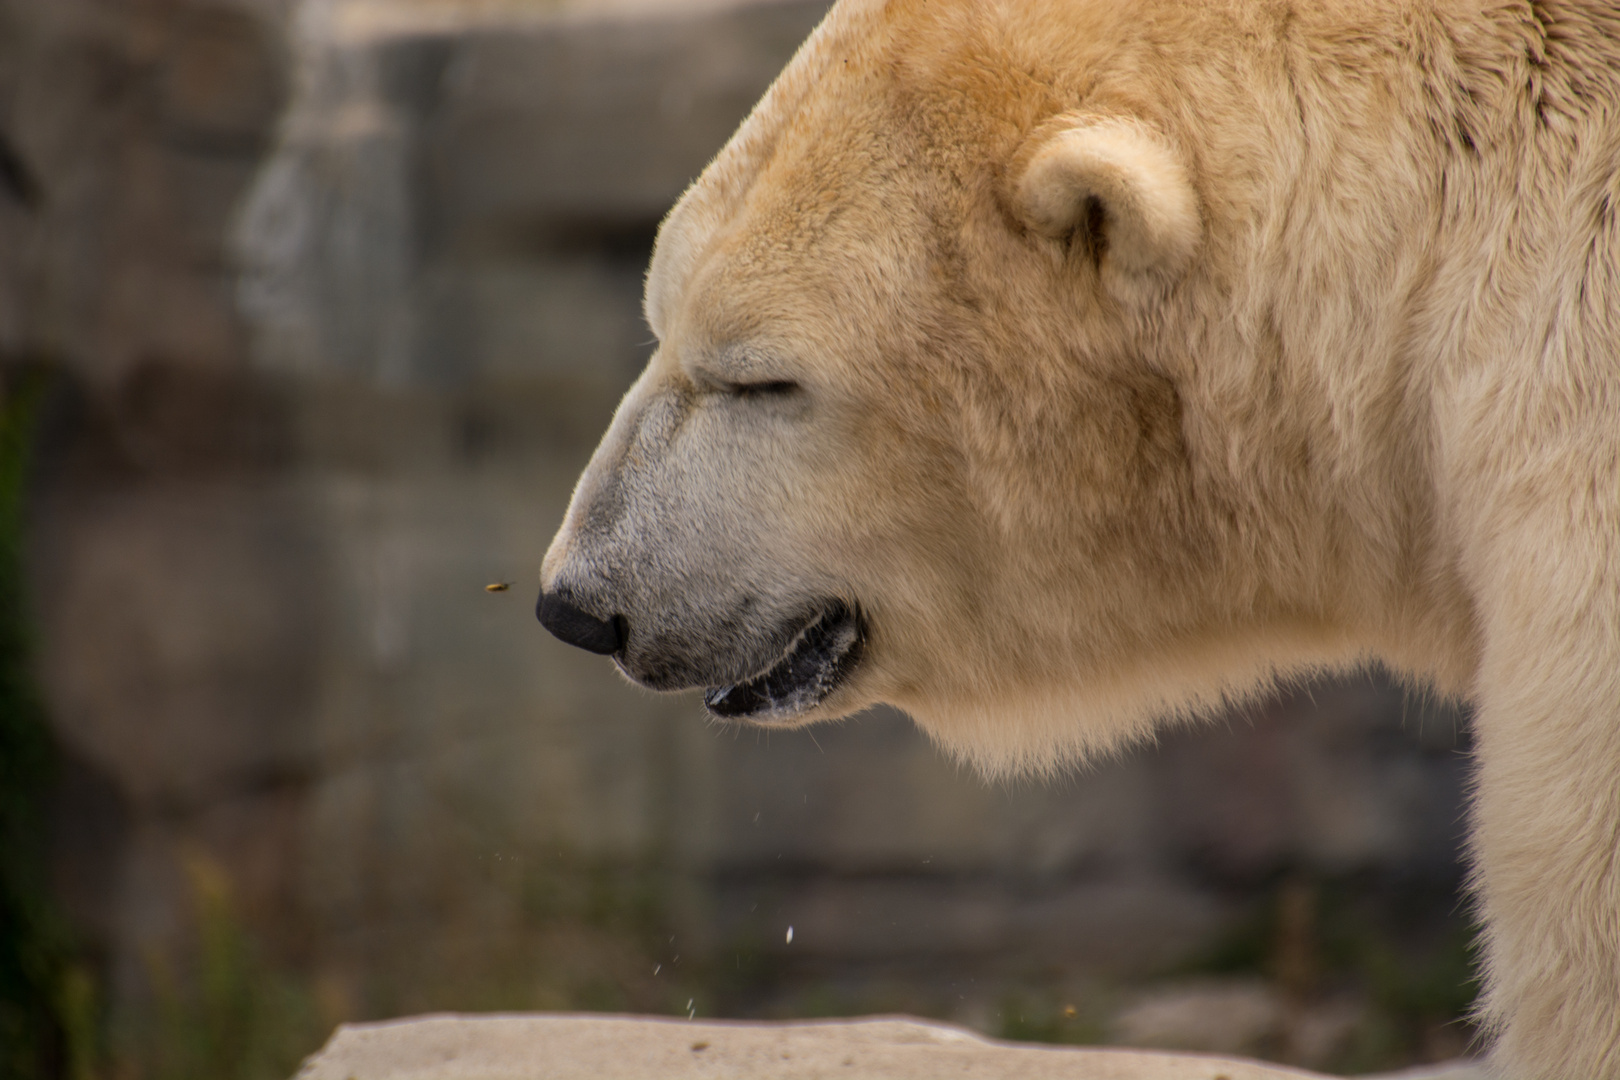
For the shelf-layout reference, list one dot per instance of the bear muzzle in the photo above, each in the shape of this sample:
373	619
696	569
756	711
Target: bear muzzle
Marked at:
819	658
578	627
814	655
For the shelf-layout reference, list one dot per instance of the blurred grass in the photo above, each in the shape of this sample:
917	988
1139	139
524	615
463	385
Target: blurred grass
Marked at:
230	1015
1404	951
48	1001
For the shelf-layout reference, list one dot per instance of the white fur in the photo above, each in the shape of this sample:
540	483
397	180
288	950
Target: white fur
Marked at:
1369	409
1150	209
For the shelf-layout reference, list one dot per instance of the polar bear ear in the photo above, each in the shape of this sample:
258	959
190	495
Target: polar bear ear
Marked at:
1117	176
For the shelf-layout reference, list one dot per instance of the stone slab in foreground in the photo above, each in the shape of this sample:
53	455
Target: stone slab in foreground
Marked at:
571	1047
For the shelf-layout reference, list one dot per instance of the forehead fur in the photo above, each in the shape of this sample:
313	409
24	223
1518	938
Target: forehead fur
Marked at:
715	197
855	107
886	99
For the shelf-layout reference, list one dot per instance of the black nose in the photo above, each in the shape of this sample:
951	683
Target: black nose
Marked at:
578	627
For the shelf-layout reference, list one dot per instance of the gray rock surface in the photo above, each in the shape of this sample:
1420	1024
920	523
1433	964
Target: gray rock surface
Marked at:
439	162
624	1048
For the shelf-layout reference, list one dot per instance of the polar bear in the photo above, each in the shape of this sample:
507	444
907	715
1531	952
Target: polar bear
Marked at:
1047	368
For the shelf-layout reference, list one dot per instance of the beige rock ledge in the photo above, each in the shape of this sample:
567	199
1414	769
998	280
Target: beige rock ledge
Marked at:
575	1047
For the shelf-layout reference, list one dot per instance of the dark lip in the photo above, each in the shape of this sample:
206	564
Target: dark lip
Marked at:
818	660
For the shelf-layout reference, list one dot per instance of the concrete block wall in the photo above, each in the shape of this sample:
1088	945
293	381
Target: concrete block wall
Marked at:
344	292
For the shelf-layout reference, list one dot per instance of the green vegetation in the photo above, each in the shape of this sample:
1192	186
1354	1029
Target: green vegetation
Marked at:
231	1017
48	1003
1046	1016
228	1016
1383	946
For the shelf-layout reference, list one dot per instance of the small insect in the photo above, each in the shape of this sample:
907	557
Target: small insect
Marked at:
499	586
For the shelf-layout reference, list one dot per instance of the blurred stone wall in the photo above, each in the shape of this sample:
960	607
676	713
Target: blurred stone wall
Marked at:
342	294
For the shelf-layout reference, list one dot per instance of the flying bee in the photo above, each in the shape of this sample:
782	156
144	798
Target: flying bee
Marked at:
499	586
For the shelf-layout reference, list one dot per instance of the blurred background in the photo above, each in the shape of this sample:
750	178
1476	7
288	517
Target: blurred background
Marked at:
310	313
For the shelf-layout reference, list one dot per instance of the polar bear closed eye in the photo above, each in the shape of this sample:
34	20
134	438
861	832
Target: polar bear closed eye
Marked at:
1052	367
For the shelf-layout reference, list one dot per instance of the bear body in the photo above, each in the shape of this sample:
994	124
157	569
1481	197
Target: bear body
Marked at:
1050	368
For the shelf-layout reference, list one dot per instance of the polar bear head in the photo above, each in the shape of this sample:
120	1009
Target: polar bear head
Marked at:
915	430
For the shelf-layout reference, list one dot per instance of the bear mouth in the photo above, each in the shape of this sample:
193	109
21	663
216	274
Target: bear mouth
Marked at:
815	663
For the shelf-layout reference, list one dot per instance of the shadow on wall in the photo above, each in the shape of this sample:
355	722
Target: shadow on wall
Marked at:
341	303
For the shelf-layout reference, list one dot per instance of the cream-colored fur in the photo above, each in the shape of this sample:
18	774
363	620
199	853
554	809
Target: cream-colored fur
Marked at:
1148	214
1146	350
